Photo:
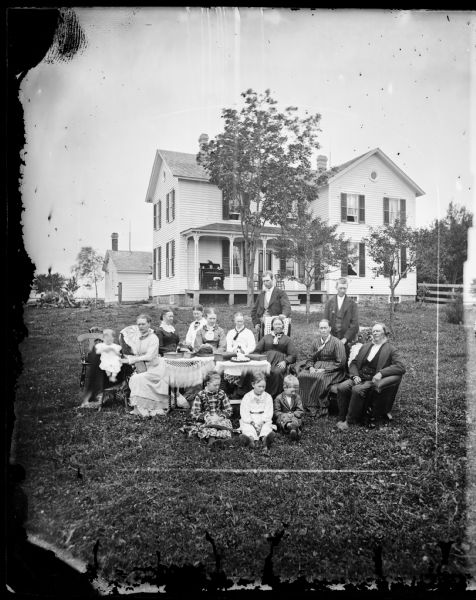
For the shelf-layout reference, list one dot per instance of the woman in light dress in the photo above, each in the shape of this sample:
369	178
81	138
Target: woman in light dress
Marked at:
149	386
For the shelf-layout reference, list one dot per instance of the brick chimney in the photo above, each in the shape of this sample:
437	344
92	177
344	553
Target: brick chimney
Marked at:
203	139
115	241
321	163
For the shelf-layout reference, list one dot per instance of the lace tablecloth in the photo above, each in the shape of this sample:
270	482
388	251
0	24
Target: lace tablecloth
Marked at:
187	372
238	368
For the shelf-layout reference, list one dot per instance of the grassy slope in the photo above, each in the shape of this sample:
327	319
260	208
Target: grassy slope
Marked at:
332	520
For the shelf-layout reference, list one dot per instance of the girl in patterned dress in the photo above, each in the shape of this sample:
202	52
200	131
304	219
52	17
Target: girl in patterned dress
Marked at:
211	411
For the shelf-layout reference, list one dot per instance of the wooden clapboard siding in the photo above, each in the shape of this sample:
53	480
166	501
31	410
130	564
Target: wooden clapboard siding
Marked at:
135	286
388	184
320	206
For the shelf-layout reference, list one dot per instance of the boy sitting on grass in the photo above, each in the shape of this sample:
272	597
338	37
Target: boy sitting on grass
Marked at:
288	408
256	412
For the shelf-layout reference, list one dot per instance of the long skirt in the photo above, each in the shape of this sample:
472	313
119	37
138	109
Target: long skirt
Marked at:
274	381
150	391
314	389
250	431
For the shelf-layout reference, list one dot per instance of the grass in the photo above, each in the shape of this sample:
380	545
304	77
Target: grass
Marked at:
132	484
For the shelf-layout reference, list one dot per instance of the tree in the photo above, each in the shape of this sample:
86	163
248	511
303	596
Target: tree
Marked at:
442	248
393	250
88	269
315	246
262	164
71	285
51	282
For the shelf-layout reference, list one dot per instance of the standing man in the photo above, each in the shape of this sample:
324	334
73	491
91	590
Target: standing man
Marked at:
375	360
342	314
271	302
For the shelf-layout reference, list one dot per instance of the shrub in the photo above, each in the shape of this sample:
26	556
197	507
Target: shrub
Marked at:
454	310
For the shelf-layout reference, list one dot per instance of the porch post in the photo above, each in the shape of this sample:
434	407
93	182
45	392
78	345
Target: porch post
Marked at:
264	243
230	258
196	284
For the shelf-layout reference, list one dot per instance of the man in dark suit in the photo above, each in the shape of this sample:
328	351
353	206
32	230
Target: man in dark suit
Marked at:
375	360
271	302
343	315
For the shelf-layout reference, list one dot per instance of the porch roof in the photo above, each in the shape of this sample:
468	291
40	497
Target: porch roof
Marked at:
221	229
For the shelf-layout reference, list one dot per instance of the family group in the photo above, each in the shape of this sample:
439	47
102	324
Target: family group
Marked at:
273	402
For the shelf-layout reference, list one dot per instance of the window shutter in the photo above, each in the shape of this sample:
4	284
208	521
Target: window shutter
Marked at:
167	259
282	266
386	210
159	262
361	260
361	209
269	260
343	207
167	208
159	214
301	269
403	260
403	211
173	204
225	253
172	266
226	208
155	218
260	261
154	265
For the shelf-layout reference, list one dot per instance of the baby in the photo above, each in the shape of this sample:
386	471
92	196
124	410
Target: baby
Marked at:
110	355
288	408
256	412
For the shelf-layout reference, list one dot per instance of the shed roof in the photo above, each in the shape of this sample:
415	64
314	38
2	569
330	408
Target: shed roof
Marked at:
132	262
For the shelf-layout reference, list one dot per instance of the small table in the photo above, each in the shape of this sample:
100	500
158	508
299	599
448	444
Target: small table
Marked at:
187	372
238	368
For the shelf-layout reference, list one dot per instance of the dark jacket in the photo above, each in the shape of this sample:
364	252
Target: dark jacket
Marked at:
278	305
281	407
350	318
389	361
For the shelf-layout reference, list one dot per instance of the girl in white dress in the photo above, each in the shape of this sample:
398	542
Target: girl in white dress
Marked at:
110	355
256	412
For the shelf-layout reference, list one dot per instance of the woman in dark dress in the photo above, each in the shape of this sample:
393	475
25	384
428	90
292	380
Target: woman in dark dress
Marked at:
324	367
168	339
280	352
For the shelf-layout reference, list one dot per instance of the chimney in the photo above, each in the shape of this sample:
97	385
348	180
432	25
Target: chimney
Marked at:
114	241
321	163
203	139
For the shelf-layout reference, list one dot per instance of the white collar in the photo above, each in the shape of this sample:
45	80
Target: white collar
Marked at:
167	327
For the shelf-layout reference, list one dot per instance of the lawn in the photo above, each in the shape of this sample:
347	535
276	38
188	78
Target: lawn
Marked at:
141	487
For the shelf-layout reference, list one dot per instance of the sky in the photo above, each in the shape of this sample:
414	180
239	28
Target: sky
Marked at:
154	78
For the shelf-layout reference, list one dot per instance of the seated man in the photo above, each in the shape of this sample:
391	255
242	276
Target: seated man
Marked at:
375	360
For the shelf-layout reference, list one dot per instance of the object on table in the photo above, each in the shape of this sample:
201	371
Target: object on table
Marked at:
240	359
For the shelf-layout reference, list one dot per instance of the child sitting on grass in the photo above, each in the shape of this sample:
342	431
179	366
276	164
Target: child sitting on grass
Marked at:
288	408
256	412
212	410
110	355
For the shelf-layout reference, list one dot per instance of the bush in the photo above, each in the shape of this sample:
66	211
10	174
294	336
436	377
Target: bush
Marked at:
454	310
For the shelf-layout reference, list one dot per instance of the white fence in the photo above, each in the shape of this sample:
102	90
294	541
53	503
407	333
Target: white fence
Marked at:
438	292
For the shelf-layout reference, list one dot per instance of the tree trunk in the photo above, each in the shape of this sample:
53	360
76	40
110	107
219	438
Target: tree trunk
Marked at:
250	262
308	301
96	291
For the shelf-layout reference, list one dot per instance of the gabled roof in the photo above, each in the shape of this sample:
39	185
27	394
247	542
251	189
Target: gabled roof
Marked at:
181	165
132	262
339	170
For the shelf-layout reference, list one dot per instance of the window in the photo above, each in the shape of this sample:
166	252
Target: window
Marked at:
170	206
393	209
373	176
231	208
268	264
354	266
157	215
352	208
170	259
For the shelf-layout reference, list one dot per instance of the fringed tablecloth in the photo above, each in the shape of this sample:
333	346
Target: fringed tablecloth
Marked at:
238	368
187	372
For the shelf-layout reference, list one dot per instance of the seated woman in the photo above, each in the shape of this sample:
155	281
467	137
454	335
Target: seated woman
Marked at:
97	379
240	339
324	367
168	339
195	325
280	352
210	334
148	385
